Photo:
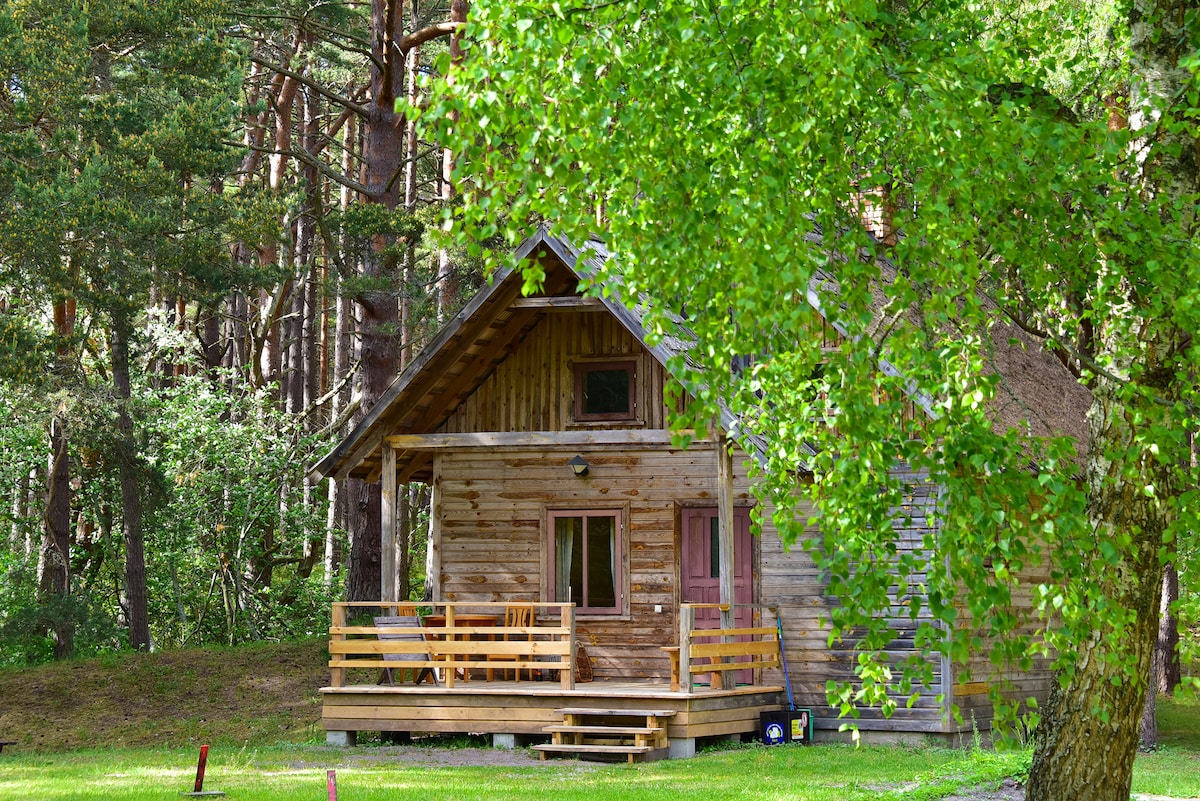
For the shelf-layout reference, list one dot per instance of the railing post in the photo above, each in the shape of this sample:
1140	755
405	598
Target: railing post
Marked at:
337	620
685	647
448	637
567	676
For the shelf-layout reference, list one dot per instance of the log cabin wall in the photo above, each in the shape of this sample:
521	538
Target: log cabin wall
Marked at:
534	388
969	690
791	580
494	535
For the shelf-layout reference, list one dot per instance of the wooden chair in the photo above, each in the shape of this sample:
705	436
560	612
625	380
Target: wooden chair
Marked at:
516	616
404	622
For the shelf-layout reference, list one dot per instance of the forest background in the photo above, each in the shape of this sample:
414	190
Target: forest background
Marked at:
218	245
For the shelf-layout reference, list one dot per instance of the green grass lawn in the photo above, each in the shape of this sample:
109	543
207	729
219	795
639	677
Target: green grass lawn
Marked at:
240	700
796	773
298	772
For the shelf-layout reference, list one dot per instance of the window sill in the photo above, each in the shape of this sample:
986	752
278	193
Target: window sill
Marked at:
624	422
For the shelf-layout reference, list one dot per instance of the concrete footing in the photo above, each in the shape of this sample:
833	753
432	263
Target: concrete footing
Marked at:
345	739
682	747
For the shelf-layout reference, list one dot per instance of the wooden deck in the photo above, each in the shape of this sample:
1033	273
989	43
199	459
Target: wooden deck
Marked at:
527	707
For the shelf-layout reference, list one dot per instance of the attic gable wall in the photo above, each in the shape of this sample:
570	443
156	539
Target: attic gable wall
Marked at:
533	389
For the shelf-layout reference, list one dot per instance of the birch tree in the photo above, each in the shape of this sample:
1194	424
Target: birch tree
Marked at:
1037	168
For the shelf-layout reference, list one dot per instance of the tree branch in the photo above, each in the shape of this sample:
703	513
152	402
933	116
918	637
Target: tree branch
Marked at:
332	97
321	167
427	34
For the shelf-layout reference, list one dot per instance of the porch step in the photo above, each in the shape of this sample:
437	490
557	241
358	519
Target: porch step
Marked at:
591	732
629	713
630	750
602	731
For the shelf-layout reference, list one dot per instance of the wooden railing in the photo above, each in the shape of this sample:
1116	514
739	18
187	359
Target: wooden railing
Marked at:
453	647
715	651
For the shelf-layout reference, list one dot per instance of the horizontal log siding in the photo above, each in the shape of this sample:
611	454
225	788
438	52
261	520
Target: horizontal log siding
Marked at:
972	681
534	388
493	510
791	580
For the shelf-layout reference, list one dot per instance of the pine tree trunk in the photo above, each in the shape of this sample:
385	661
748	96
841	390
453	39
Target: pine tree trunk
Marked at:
383	149
131	502
447	285
54	566
363	580
1148	736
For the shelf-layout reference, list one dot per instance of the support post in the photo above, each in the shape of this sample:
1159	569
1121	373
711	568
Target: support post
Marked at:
337	675
387	525
725	529
433	560
567	676
686	622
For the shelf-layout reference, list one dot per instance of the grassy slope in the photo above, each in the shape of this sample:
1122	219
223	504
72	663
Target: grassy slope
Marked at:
259	694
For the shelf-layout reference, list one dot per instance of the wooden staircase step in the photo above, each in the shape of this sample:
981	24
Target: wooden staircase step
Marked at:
594	749
629	751
603	731
632	713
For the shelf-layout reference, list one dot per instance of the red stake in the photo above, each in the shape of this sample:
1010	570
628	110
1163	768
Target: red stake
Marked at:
331	780
200	769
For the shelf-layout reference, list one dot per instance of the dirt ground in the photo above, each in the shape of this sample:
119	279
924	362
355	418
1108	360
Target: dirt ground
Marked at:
1008	791
441	756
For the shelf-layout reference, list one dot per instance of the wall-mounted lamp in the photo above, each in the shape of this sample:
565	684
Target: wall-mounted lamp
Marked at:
579	466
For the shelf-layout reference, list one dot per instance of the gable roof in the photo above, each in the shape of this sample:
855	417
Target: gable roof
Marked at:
1036	393
470	347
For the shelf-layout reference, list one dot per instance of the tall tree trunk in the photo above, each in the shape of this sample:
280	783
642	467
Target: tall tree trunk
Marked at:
20	510
1088	733
447	286
1167	672
383	150
411	145
54	564
363	579
131	501
1148	732
342	355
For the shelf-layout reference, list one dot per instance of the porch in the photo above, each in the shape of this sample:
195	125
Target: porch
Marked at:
519	682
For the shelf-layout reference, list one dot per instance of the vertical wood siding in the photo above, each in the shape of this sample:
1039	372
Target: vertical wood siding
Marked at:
534	388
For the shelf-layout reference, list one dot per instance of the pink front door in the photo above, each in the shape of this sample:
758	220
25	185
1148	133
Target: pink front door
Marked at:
700	573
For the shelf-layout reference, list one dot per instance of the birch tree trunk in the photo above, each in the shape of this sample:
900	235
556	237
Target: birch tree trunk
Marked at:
1088	735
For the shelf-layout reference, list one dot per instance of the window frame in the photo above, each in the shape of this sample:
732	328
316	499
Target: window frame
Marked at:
620	564
582	368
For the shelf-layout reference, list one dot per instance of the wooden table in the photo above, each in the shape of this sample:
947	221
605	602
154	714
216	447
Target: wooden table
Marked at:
466	620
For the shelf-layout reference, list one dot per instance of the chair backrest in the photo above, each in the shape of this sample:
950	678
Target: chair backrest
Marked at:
518	615
401	622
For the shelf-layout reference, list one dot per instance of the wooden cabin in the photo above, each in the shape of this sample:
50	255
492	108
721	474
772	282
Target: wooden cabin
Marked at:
540	425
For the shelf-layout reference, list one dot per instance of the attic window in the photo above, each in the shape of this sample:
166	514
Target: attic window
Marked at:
605	390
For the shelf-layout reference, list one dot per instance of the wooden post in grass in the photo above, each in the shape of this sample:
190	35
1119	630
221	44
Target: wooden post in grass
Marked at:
331	783
198	790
